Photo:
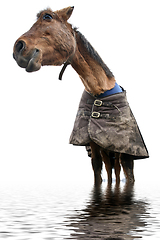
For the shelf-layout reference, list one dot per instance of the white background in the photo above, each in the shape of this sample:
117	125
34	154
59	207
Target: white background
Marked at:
37	111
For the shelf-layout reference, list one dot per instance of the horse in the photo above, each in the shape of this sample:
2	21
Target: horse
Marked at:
53	41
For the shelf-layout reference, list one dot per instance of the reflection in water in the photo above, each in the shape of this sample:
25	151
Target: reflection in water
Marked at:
66	212
110	214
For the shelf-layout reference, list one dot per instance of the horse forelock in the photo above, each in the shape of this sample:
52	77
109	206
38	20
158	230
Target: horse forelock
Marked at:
47	10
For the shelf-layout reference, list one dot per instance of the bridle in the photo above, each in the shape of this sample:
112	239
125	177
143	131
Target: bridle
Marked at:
69	60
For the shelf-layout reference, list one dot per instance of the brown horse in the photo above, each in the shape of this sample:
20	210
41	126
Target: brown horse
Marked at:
53	41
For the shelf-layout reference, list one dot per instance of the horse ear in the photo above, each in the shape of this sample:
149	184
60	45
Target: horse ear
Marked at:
65	13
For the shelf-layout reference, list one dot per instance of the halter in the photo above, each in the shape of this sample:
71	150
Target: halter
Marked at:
69	60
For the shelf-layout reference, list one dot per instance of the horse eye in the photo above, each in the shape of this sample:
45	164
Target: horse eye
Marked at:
47	17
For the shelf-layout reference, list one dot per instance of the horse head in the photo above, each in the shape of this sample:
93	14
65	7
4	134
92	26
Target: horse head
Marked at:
50	41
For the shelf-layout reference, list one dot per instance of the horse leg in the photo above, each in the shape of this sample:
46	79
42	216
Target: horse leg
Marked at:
96	162
108	165
117	167
128	164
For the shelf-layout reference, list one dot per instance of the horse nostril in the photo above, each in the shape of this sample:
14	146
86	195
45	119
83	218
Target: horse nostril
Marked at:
19	46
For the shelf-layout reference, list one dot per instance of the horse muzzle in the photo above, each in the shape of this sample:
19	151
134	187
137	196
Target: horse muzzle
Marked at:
31	61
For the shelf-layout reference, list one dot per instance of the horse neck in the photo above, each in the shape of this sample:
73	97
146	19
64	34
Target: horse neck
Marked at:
90	70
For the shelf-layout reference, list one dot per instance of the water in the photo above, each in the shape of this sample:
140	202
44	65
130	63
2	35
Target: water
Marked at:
79	210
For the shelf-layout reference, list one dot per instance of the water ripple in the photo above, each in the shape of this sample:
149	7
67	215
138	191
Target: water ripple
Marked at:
110	212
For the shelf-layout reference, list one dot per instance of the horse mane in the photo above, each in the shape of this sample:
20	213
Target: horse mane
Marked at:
93	53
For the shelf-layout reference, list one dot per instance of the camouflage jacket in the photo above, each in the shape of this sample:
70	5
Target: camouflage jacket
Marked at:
108	122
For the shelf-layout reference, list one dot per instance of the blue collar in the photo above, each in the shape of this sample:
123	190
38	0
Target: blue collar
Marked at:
116	89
